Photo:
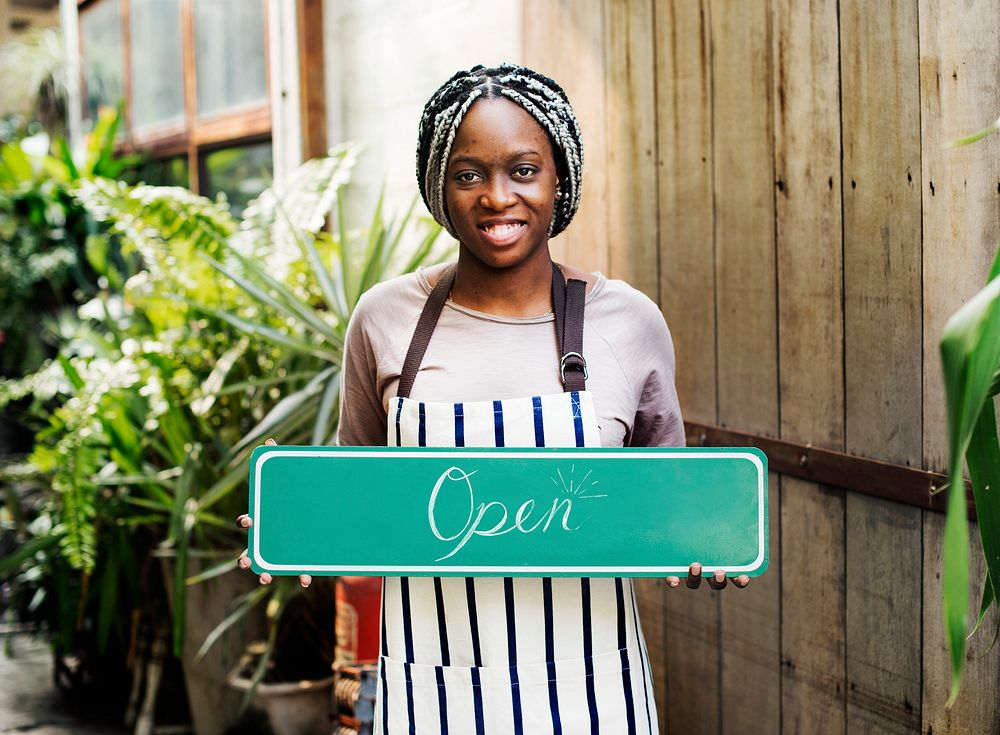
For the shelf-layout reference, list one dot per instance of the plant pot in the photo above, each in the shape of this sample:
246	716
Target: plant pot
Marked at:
214	704
293	708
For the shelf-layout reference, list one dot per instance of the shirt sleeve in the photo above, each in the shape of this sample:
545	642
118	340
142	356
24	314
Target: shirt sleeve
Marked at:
362	415
658	419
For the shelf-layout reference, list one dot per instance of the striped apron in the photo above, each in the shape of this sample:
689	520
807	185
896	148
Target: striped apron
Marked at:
521	656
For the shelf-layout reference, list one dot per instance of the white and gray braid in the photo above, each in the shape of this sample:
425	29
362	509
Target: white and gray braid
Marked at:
538	95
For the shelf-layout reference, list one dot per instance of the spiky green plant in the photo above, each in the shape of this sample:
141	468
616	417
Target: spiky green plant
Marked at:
970	357
232	331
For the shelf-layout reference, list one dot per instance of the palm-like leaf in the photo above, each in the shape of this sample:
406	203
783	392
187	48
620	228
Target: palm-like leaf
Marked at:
970	354
306	196
232	332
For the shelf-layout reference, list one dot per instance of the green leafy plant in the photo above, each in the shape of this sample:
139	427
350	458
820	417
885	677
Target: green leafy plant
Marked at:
54	255
232	331
970	356
341	268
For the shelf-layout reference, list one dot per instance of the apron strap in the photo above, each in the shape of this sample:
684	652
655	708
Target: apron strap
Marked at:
425	328
567	304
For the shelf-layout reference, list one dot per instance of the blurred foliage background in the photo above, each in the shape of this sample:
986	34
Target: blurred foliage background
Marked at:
151	339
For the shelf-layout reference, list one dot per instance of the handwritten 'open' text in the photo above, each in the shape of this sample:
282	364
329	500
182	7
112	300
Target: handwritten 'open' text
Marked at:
492	518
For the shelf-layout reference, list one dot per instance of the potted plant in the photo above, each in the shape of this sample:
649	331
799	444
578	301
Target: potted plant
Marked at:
229	332
286	671
289	675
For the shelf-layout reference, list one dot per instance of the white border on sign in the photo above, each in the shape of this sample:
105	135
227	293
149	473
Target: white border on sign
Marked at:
520	570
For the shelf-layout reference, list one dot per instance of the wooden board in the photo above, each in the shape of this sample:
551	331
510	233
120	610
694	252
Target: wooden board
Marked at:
630	100
881	185
686	280
750	644
743	175
883	545
977	709
565	40
882	228
684	142
744	217
653	614
808	209
813	609
959	68
810	324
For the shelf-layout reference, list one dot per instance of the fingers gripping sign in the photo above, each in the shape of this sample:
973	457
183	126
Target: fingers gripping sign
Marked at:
245	522
717	581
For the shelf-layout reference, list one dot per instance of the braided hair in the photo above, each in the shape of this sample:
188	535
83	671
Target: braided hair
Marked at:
538	95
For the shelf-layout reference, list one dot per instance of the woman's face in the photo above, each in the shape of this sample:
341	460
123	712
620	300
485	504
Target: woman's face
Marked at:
500	185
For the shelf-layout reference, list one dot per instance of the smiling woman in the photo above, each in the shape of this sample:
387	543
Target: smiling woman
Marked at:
501	180
496	358
495	351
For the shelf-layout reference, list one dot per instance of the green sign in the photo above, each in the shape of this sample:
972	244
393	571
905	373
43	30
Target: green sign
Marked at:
380	511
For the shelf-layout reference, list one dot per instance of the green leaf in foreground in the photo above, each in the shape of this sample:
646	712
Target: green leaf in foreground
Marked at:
975	137
970	355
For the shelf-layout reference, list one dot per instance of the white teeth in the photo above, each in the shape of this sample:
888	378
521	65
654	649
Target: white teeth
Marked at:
504	230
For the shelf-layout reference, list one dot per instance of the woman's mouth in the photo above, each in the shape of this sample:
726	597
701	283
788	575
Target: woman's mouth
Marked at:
502	233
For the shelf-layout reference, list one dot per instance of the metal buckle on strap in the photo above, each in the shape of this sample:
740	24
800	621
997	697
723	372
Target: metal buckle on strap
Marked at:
578	362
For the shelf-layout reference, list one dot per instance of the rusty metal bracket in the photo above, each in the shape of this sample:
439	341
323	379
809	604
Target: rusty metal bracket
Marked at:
899	483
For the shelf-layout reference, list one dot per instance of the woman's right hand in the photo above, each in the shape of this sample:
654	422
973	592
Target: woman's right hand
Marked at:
717	581
245	522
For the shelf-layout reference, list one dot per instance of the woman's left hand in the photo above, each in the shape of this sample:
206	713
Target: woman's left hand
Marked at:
245	522
717	581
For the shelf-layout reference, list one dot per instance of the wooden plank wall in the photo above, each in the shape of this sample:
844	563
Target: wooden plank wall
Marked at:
774	173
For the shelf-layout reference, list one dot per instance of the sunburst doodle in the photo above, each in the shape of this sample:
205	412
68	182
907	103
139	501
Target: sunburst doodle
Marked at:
578	488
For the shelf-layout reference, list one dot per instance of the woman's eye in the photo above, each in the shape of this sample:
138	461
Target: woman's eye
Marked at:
524	171
466	177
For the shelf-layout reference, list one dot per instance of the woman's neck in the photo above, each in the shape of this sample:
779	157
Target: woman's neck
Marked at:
524	290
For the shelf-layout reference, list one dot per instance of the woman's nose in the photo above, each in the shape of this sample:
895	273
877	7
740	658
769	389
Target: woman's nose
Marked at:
498	194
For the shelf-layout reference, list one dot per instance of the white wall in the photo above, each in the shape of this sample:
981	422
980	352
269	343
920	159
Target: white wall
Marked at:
384	58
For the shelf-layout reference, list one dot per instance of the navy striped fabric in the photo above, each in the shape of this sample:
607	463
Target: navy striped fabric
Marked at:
530	421
515	690
495	656
459	425
399	413
498	423
577	418
536	403
623	650
550	656
422	426
445	657
588	657
383	647
404	586
643	660
477	656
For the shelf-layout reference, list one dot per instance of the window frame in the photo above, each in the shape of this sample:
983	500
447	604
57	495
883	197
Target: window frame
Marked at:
205	151
193	136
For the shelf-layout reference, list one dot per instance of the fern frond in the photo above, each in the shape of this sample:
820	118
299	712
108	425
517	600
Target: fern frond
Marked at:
77	491
148	217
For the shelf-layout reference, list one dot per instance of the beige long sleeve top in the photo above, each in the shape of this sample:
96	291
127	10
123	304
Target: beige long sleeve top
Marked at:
474	356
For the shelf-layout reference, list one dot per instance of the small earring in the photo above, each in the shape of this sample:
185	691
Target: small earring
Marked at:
558	193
